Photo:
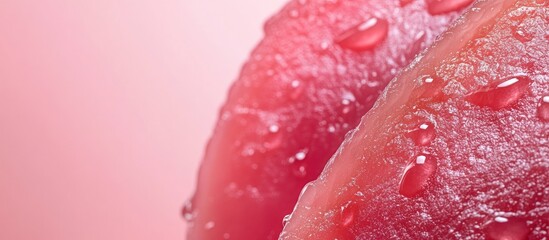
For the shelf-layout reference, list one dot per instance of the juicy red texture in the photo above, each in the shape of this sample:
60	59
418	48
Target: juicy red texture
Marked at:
483	174
299	93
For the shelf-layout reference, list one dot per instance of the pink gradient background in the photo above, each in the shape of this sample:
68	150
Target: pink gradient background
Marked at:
105	108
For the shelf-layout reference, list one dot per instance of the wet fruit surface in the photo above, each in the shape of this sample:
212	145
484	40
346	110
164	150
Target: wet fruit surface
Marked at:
502	228
482	171
365	36
501	94
417	176
444	6
320	67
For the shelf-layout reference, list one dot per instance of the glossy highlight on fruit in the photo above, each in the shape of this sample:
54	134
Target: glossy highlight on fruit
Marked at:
483	175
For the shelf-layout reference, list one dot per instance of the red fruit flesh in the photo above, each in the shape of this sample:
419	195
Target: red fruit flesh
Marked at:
320	67
482	174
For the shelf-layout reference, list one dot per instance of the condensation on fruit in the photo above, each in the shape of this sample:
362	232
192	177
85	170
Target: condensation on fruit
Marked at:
307	199
188	211
417	175
364	36
300	171
301	155
511	228
286	219
522	35
436	7
331	128
348	213
348	98
370	83
424	134
525	30
414	48
502	94
297	89
274	138
430	88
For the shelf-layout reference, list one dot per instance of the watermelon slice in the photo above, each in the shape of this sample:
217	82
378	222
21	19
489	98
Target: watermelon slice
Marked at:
320	67
457	147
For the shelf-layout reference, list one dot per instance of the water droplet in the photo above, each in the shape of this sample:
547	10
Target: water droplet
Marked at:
501	219
302	171
291	159
331	129
436	7
299	171
348	219
286	219
188	211
273	140
500	94
209	225
297	89
348	97
431	88
346	110
543	108
348	214
371	84
405	2
417	176
301	155
307	196
424	134
523	35
273	128
502	228
420	160
364	36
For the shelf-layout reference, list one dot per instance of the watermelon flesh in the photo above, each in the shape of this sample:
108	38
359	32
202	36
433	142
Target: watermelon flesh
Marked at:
320	67
457	146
